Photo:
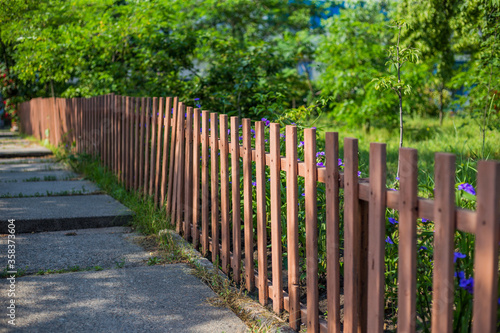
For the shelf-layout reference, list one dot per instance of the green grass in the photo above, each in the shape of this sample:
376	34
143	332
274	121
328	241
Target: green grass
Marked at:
458	135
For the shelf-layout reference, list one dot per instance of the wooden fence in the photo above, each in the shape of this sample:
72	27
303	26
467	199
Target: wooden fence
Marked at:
167	150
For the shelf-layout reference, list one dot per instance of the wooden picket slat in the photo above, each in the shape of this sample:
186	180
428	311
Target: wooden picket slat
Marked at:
260	162
407	264
214	175
152	162
173	138
175	182
224	197
142	125
130	145
292	227
147	137
196	178
352	238
444	232
137	155
188	169
486	248
123	136
277	264
159	130
166	132
179	197
236	205
332	231
376	234
247	205
205	194
311	230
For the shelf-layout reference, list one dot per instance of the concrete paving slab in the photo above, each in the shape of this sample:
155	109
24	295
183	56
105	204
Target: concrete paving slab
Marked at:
70	187
24	160
29	167
40	175
63	213
105	247
17	147
138	299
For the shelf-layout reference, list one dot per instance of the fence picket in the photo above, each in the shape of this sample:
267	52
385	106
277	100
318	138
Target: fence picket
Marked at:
137	127
376	234
159	130
196	178
260	161
407	264
188	169
311	230
247	206
332	231
292	226
205	194
152	163
486	248
142	125
166	132
179	206
277	268
147	137
236	205
171	162
224	197
352	238
214	175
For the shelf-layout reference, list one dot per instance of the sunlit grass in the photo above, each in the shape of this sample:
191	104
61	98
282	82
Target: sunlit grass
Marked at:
458	135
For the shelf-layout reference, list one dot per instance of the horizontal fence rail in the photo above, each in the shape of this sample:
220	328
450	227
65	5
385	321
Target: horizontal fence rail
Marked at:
214	184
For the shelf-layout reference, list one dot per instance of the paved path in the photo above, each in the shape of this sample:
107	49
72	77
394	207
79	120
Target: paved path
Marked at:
83	271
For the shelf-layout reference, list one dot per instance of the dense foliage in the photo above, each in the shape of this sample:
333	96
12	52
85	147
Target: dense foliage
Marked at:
256	58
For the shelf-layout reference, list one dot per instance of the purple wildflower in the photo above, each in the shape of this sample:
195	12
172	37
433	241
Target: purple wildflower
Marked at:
392	220
467	188
458	255
301	144
340	162
467	284
359	173
422	248
320	153
254	183
425	220
303	194
196	99
389	240
320	164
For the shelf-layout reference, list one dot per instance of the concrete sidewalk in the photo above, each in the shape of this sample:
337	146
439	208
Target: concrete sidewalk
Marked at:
81	279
